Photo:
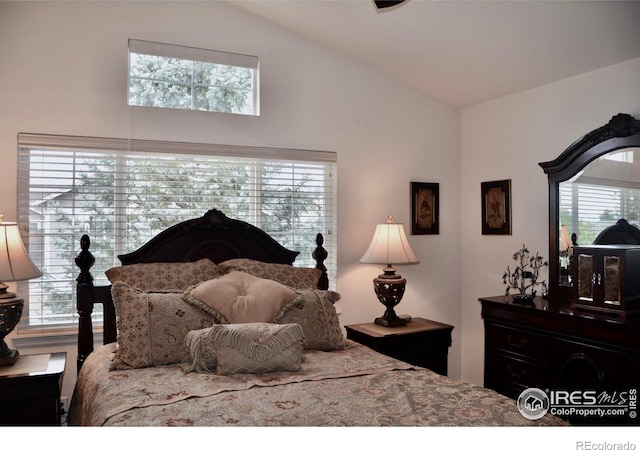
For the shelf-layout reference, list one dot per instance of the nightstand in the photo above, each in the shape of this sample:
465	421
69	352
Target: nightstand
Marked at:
30	390
420	342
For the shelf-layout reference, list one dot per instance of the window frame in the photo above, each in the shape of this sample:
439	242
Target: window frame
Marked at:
195	55
127	147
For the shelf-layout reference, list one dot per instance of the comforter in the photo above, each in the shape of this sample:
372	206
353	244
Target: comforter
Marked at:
351	387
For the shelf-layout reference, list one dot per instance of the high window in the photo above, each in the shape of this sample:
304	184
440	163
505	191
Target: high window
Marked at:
123	192
172	76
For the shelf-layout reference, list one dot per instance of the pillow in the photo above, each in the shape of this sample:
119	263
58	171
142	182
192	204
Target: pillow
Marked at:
294	277
246	348
317	316
238	297
165	277
201	353
152	326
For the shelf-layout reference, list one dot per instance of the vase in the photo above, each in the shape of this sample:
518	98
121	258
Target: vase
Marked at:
523	299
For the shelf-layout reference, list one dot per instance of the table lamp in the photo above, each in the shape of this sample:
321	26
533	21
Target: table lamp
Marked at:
389	246
15	265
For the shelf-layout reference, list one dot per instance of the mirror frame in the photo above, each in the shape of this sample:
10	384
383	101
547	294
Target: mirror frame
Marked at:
622	131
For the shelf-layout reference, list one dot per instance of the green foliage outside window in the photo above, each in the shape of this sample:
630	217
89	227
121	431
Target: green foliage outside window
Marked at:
178	83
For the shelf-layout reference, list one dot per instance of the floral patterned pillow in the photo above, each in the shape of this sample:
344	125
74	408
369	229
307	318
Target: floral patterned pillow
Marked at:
152	326
318	318
165	277
295	277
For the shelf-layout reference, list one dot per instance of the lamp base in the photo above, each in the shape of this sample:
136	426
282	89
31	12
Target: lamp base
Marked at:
390	321
10	313
389	288
9	359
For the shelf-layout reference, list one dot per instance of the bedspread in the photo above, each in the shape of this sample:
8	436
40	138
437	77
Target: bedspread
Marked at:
352	387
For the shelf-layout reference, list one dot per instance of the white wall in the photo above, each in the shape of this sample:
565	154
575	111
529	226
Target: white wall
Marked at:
64	67
506	139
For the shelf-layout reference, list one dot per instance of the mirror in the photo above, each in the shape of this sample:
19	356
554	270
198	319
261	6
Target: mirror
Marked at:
592	184
605	191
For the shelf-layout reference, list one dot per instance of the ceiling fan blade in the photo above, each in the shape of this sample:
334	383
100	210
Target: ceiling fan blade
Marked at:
381	4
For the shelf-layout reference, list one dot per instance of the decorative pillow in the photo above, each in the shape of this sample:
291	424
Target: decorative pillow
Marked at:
201	352
246	348
239	297
319	321
295	277
152	326
165	277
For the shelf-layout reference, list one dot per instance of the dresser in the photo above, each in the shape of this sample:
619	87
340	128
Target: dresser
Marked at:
547	344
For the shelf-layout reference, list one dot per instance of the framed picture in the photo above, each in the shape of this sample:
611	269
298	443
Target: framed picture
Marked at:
496	207
425	204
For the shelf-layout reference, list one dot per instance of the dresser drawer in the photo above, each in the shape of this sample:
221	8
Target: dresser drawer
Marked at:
581	366
517	370
517	342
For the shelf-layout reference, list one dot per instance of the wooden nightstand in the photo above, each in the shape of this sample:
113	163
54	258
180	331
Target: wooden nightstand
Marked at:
421	342
30	390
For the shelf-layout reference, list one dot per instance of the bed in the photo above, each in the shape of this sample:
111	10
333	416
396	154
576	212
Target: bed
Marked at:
181	347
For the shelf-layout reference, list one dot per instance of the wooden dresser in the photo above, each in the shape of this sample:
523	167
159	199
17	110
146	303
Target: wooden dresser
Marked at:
549	345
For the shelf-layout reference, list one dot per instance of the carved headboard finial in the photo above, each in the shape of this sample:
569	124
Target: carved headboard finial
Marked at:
85	261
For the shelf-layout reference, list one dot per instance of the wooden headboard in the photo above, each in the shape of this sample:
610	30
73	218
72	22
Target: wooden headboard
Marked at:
622	232
213	236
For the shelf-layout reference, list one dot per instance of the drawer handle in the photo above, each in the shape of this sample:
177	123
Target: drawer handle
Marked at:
516	375
523	343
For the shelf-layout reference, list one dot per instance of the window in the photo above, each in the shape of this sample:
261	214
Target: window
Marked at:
123	192
587	209
606	190
172	76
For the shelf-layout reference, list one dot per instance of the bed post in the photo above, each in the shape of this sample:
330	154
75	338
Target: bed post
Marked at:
319	255
84	301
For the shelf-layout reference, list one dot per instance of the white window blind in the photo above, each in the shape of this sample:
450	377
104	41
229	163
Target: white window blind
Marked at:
123	192
174	76
587	209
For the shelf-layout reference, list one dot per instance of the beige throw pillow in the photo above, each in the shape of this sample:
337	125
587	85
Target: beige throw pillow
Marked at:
239	297
245	348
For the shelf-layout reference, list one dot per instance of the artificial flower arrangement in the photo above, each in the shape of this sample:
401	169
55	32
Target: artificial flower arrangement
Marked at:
524	278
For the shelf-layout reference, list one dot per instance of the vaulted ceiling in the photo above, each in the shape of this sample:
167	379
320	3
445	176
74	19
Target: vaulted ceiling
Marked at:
467	52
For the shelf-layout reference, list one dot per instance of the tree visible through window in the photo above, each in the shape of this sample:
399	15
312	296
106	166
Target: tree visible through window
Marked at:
123	198
169	76
605	191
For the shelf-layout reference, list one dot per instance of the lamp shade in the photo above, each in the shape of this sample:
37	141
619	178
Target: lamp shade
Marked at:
565	241
15	264
389	245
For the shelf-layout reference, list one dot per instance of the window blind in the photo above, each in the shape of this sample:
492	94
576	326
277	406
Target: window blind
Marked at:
122	192
587	209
